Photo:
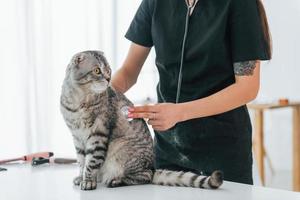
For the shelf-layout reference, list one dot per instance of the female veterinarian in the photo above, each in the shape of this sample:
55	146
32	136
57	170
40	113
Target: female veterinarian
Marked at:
208	56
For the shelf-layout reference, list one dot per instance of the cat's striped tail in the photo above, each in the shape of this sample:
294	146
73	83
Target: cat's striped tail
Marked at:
187	179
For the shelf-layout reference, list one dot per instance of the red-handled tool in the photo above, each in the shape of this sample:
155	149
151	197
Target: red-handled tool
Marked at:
29	157
41	160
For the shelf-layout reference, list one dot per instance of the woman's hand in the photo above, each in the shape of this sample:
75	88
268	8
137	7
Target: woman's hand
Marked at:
161	116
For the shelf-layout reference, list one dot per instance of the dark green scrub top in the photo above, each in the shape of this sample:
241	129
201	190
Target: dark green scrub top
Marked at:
220	33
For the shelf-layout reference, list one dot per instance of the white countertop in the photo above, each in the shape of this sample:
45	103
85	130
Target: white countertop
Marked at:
23	182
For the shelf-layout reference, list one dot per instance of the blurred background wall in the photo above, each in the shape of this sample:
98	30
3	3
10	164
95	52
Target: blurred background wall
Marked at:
280	78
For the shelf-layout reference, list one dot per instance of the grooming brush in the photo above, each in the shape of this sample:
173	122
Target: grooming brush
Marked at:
125	112
29	157
63	160
40	160
2	169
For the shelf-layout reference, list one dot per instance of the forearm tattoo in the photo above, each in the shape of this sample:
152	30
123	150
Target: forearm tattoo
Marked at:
245	68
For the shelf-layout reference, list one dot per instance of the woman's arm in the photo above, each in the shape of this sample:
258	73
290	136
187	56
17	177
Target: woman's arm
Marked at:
127	75
166	115
244	90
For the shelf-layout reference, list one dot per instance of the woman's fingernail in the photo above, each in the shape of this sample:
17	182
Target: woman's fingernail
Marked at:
130	109
130	115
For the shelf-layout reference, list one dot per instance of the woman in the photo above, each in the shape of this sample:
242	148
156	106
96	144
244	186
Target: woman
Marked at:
208	58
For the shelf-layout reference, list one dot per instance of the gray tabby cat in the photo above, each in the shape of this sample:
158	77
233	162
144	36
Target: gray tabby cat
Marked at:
111	149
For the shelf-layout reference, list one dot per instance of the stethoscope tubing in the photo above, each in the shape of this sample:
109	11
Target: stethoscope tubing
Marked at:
187	18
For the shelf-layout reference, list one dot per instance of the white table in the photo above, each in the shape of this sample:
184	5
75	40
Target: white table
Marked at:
23	182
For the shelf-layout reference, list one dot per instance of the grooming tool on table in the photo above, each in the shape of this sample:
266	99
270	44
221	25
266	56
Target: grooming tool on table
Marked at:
28	157
2	169
40	160
63	160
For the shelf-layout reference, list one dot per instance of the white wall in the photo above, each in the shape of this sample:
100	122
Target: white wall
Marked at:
281	78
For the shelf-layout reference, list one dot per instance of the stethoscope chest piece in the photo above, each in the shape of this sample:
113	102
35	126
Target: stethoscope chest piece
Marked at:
125	112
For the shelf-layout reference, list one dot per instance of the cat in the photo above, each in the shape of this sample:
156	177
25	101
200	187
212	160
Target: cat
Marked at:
111	149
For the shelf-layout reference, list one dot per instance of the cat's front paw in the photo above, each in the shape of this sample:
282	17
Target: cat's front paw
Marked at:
77	180
88	185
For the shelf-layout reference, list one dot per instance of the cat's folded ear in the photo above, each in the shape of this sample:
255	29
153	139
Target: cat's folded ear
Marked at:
101	53
78	58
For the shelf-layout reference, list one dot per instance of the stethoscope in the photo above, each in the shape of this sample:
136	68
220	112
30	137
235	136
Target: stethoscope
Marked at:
190	9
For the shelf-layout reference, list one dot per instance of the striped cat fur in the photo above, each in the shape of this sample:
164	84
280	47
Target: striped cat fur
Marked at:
110	149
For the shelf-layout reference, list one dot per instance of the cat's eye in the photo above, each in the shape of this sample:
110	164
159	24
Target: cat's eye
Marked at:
97	70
